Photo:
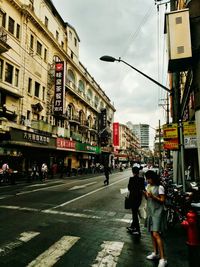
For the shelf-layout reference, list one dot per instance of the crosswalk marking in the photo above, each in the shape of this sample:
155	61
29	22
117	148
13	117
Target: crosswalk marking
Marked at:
53	254
109	254
24	237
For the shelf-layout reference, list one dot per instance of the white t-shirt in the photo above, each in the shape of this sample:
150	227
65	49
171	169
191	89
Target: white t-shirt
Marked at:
161	190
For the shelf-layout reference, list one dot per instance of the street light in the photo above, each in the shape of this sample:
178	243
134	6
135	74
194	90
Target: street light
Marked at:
112	59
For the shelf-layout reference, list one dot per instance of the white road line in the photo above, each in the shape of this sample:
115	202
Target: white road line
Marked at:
6	196
54	253
81	186
24	237
18	208
90	193
73	214
109	254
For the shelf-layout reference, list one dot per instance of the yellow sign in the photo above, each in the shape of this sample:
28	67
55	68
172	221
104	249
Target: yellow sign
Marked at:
189	128
170	130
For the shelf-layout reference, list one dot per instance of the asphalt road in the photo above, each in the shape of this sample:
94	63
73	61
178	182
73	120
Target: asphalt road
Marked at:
75	222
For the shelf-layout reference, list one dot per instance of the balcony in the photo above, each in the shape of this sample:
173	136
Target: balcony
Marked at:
4	47
8	114
41	126
84	125
76	136
61	132
93	129
74	119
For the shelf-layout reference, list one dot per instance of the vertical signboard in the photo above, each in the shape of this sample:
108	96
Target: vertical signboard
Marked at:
59	87
116	133
103	119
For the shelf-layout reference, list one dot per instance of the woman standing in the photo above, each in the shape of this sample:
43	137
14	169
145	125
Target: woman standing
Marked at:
155	196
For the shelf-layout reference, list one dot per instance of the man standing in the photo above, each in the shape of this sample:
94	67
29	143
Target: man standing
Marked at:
135	187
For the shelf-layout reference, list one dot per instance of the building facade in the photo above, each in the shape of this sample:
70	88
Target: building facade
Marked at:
142	132
34	43
128	150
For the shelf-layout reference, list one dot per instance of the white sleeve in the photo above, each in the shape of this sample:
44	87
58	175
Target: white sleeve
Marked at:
161	190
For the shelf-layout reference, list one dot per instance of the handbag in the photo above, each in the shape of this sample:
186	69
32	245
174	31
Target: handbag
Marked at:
127	202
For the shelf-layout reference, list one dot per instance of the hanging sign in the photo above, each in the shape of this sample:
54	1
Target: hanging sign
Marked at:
59	87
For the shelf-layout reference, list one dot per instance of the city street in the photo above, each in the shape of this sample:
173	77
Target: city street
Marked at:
76	221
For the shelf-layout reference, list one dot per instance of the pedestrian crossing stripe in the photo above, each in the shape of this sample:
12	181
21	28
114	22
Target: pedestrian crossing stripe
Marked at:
109	254
23	238
54	253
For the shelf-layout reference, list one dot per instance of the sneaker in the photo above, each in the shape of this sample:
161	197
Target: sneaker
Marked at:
136	233
162	263
153	256
130	229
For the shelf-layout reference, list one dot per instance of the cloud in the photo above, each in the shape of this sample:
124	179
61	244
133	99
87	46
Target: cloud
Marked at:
126	29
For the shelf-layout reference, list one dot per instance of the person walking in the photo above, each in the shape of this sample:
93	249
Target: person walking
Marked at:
155	196
107	173
44	171
135	187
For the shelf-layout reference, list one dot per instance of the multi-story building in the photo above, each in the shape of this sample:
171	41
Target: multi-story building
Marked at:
35	42
142	132
129	146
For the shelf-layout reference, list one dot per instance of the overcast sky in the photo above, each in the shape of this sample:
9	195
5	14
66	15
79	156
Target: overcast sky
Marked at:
132	30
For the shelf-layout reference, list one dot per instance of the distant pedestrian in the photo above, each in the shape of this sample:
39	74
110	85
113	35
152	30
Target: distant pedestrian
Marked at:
107	172
155	195
44	171
135	187
35	171
6	174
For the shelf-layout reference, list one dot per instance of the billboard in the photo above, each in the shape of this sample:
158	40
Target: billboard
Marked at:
116	133
59	88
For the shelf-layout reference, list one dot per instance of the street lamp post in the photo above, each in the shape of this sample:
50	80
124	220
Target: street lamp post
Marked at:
112	59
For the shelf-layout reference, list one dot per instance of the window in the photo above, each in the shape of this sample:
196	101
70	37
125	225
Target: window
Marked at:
18	31
11	25
81	86
29	85
1	68
39	48
16	77
62	44
45	54
57	35
75	41
8	73
37	89
28	116
43	93
3	18
46	21
70	34
31	41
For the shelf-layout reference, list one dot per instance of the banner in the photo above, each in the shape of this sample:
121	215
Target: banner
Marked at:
59	87
116	133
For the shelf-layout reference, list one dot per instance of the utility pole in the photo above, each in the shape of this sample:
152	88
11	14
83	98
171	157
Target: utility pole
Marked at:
160	155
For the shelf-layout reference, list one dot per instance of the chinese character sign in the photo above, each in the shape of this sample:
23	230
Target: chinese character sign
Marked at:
116	134
103	119
59	87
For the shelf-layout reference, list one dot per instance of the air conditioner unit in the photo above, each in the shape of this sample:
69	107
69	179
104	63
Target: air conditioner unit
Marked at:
177	27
